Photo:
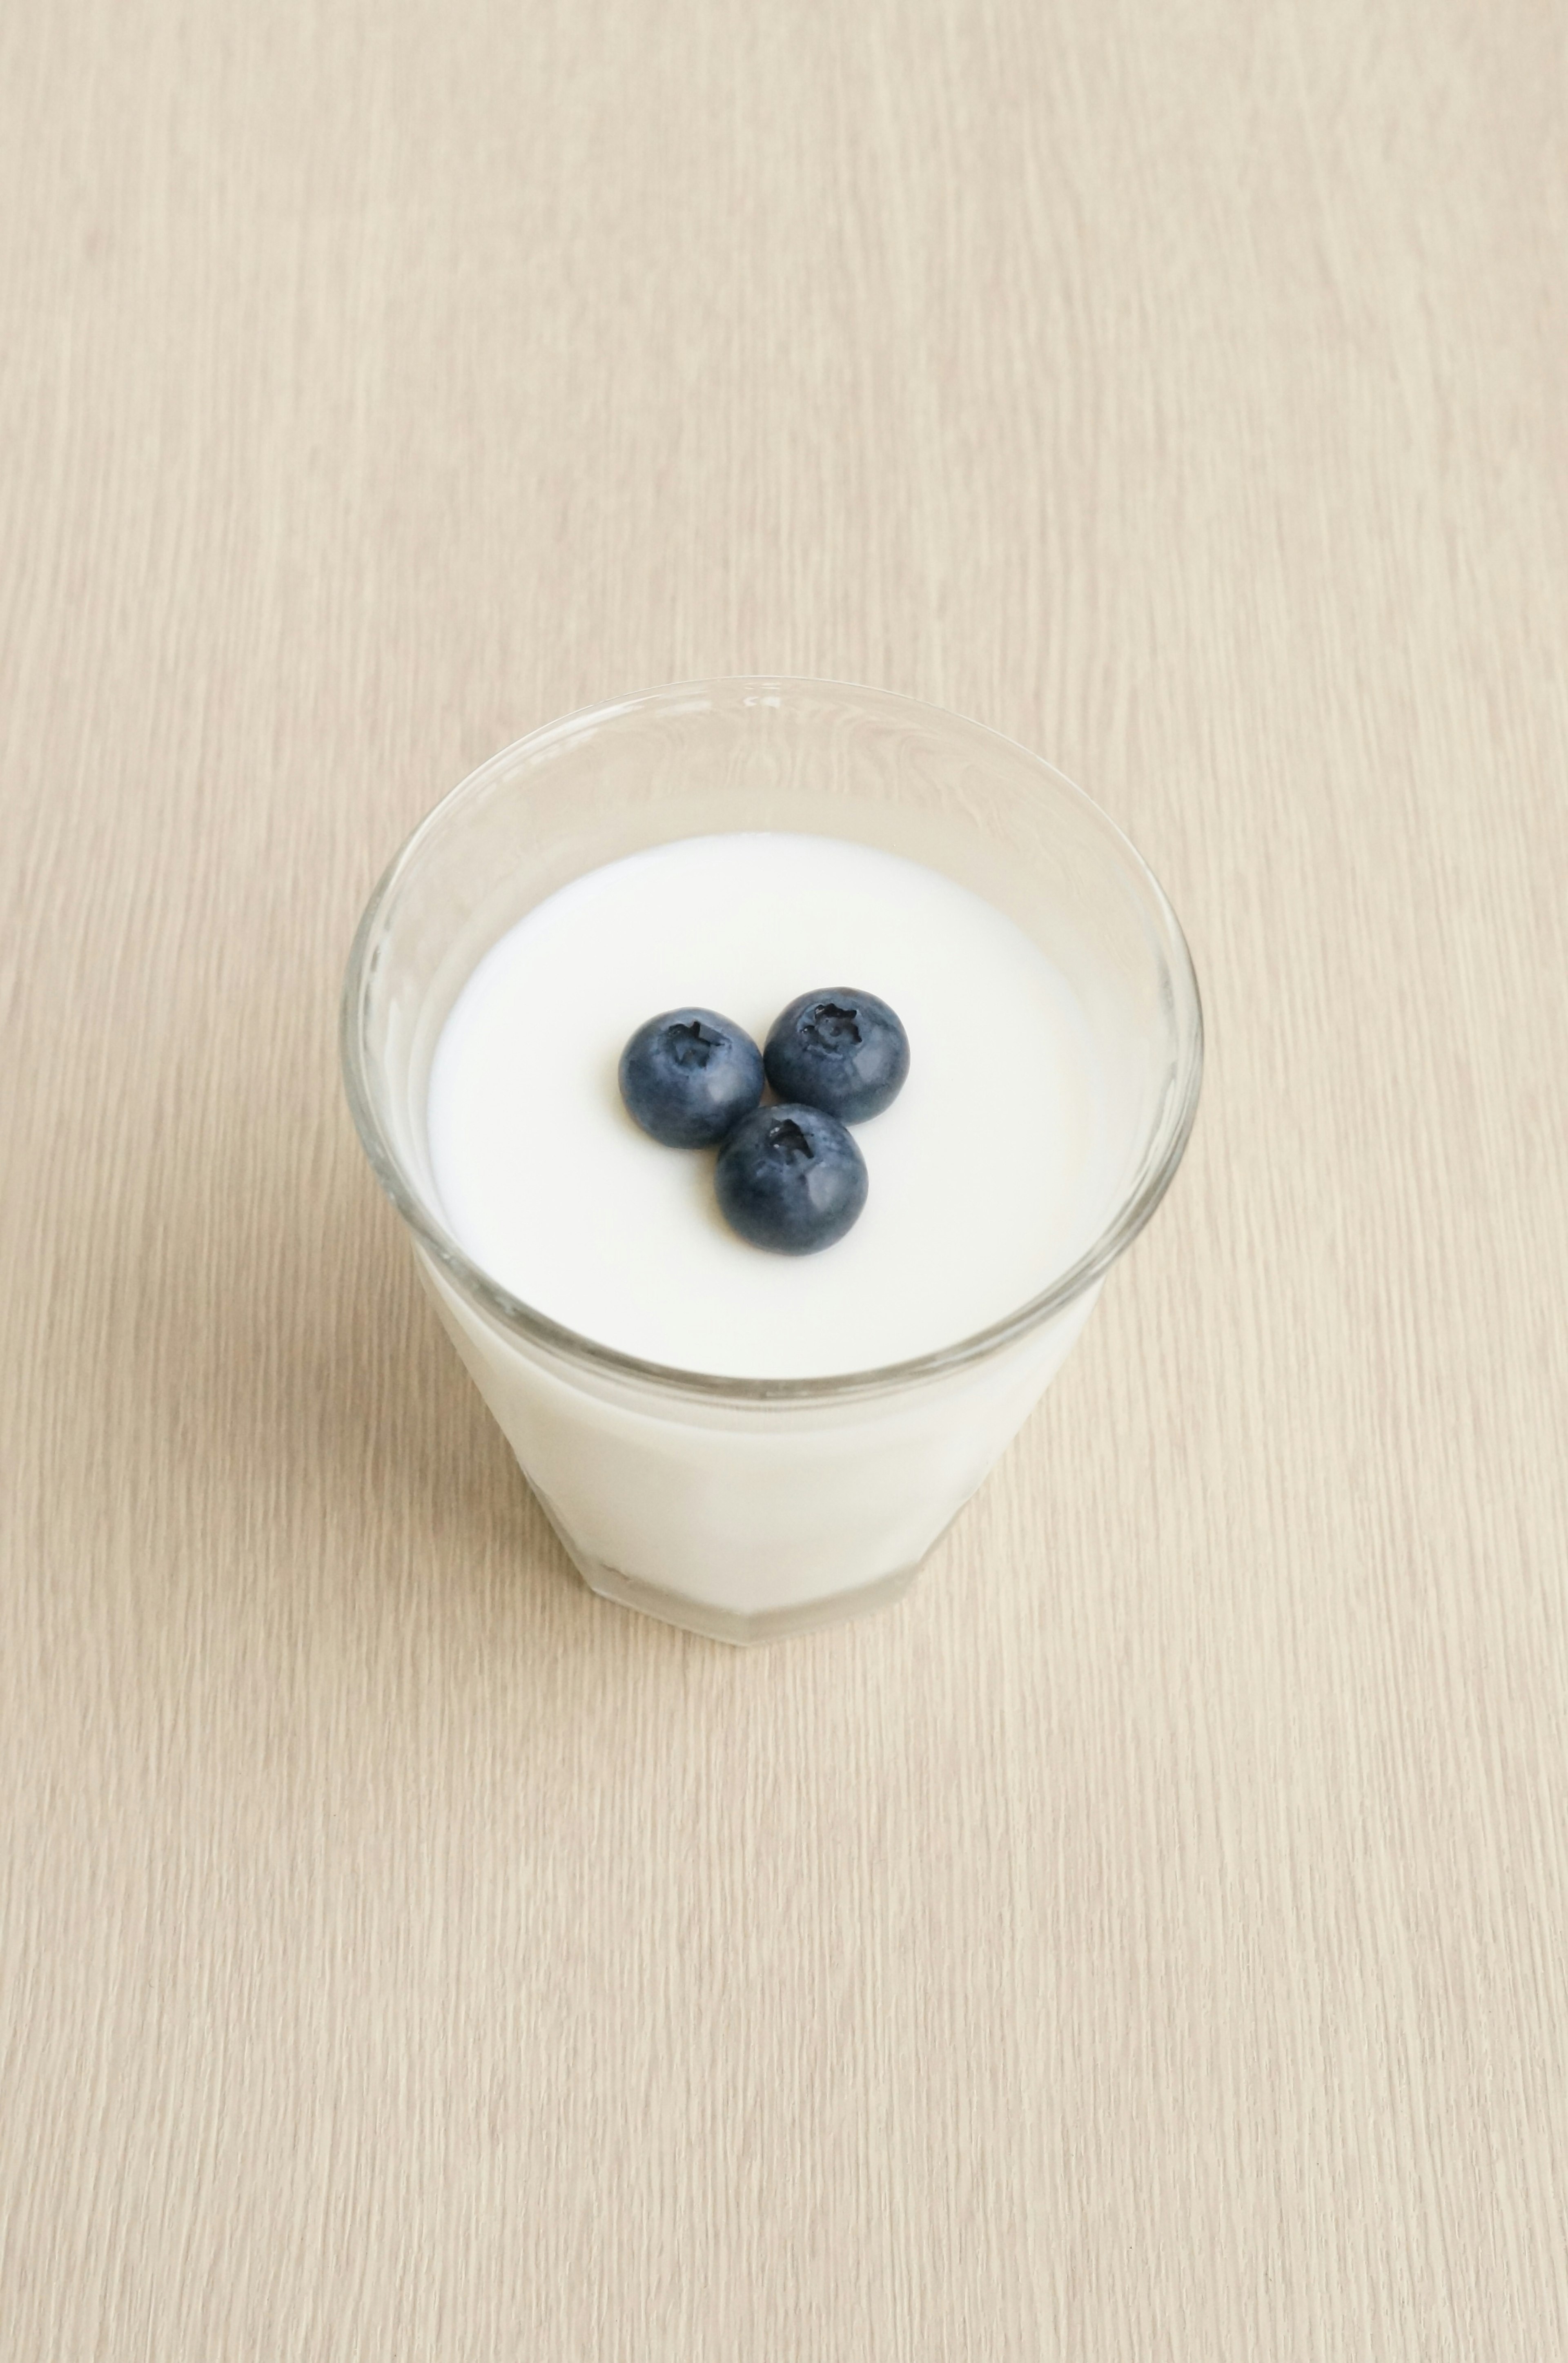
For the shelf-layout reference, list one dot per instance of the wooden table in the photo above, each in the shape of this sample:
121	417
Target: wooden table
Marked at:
1149	1941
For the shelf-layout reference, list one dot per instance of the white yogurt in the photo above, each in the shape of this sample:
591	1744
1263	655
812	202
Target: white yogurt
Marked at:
983	1172
742	1518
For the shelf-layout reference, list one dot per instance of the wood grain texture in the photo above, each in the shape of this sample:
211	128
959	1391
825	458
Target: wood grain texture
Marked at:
1148	1942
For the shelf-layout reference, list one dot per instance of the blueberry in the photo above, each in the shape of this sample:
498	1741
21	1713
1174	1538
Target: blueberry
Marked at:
840	1050
687	1076
791	1179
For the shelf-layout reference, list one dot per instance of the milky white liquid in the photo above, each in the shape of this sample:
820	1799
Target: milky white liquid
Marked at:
736	1515
983	1173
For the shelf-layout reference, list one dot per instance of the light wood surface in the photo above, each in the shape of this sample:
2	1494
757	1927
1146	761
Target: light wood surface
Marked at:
1149	1941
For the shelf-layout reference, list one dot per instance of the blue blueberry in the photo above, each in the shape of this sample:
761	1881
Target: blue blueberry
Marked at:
791	1179
840	1050
687	1076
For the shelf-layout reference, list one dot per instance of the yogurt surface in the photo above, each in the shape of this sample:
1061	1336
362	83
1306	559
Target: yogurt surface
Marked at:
983	1172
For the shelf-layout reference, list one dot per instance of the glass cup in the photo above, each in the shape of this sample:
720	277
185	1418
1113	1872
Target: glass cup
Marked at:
744	1509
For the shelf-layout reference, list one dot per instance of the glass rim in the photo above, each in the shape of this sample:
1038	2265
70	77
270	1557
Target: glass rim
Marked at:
1167	1140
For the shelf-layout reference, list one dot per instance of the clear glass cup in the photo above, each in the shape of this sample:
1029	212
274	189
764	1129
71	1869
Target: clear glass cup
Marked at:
747	1509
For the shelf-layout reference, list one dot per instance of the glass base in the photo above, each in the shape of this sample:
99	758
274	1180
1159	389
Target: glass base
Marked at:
724	1624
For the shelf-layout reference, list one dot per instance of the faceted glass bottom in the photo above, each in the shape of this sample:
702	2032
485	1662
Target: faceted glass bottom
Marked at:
724	1624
